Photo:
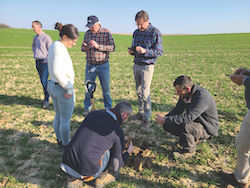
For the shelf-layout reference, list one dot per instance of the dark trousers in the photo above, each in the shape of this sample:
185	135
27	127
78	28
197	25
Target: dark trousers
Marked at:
188	134
42	69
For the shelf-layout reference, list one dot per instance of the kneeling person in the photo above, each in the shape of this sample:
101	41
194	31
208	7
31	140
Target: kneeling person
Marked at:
194	117
98	141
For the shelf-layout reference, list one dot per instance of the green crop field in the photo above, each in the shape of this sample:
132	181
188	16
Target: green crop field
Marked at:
28	148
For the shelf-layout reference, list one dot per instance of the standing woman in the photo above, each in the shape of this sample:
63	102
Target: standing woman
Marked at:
61	82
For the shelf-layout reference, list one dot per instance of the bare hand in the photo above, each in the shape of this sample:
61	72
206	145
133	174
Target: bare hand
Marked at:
160	119
140	50
130	148
66	95
84	47
93	44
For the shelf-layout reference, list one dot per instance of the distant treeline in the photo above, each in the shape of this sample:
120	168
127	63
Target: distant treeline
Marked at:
4	26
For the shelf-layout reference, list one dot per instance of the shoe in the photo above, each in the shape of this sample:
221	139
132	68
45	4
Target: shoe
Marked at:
104	179
85	112
137	116
231	180
183	154
45	105
145	124
73	182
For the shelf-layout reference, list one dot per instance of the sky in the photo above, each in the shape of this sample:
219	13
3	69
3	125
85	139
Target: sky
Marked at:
169	16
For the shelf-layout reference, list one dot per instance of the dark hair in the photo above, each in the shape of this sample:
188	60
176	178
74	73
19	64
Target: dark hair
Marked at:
38	23
142	15
123	106
183	82
69	30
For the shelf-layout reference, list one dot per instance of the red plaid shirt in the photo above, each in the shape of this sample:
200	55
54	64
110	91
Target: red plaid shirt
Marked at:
106	44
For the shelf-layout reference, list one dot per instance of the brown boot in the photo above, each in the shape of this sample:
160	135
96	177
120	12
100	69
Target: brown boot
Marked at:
73	182
104	179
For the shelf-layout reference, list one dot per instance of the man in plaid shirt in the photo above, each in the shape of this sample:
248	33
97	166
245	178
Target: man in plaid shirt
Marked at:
146	47
97	44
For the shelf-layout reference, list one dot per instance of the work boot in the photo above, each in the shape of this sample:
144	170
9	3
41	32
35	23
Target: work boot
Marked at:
183	154
104	179
137	116
230	179
145	124
45	104
73	182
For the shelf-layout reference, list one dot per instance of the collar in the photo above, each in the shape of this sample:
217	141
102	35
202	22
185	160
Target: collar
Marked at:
116	115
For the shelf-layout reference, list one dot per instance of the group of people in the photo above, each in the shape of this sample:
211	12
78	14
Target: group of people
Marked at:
99	141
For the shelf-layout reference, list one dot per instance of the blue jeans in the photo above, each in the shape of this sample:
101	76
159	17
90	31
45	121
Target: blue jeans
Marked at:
105	161
102	71
64	108
73	173
42	69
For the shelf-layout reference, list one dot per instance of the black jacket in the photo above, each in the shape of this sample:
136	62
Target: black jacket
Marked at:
98	132
202	109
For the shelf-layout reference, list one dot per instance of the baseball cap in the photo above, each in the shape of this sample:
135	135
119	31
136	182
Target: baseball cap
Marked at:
91	21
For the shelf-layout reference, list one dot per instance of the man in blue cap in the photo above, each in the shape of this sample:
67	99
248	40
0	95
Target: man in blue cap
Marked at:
97	43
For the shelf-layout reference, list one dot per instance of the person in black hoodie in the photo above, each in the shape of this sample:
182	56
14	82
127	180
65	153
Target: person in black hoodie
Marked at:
194	117
98	141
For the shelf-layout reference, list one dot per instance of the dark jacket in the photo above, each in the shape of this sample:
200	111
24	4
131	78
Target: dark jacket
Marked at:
247	91
202	109
98	132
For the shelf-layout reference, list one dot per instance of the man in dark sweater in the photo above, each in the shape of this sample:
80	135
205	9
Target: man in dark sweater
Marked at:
240	177
98	141
194	117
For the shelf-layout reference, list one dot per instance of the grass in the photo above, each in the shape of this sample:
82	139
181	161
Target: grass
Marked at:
28	155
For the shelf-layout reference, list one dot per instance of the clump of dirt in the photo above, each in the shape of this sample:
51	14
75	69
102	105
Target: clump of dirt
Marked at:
140	157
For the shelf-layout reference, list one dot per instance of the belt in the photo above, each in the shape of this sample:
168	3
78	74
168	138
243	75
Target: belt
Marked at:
40	60
100	63
141	63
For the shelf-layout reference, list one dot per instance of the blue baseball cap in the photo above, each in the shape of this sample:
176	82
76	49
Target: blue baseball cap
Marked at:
91	21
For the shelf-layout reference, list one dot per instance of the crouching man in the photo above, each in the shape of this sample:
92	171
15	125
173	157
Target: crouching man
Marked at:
194	117
99	141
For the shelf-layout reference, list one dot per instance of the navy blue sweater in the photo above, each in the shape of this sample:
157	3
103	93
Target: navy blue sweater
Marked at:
98	132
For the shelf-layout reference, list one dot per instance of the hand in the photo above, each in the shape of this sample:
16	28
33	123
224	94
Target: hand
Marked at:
93	44
130	148
140	50
84	47
66	95
160	119
130	51
237	78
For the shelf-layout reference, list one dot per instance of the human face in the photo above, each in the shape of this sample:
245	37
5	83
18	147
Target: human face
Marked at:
141	24
36	28
95	28
183	93
68	43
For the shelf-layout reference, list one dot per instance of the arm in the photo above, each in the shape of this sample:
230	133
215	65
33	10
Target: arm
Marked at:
197	107
156	49
33	45
60	73
111	45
